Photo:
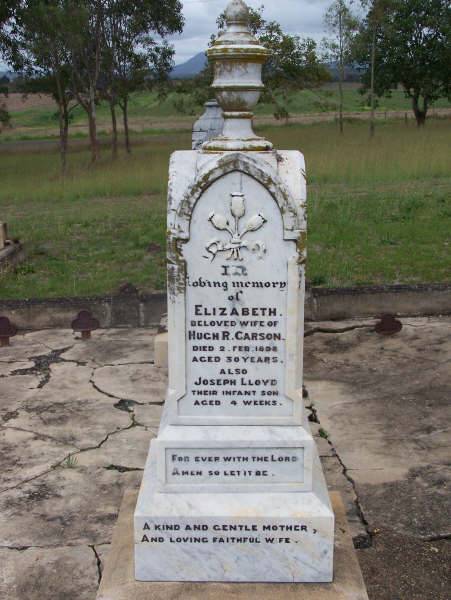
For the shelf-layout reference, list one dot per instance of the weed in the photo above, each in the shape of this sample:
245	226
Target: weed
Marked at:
70	462
323	433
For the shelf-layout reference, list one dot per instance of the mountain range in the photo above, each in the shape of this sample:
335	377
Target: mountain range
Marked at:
193	66
198	62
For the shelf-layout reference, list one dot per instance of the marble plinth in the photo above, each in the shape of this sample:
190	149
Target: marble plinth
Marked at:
241	537
118	580
232	459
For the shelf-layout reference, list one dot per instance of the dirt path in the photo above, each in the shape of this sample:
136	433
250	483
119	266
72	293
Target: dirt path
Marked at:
144	126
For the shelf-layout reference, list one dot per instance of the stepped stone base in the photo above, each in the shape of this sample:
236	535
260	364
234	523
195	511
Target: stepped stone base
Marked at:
118	581
238	537
161	350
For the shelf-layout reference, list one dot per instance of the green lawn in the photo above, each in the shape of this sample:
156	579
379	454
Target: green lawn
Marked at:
379	211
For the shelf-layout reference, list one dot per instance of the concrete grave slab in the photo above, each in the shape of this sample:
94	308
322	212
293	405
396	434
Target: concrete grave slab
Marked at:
67	506
8	368
102	551
333	472
26	455
52	339
114	346
136	382
384	401
390	433
63	407
15	391
125	451
406	511
50	573
161	350
148	415
21	348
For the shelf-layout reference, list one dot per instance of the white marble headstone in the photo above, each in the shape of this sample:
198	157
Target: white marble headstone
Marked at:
233	488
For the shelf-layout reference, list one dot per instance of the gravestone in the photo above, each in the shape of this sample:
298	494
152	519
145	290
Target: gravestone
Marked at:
208	125
233	488
3	235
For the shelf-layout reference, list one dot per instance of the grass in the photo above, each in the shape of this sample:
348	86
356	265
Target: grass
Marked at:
326	99
379	211
147	110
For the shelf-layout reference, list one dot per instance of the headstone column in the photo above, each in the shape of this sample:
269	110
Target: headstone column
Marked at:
233	488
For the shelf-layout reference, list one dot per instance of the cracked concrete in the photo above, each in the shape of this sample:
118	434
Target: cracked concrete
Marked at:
131	382
383	403
108	348
69	409
37	455
128	449
12	368
76	419
53	574
64	507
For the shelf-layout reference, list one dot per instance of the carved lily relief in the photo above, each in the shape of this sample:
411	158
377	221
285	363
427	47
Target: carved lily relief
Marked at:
236	242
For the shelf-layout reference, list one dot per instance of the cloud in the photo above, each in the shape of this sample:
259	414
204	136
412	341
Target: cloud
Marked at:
302	17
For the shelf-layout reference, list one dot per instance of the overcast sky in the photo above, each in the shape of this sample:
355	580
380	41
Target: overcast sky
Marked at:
304	17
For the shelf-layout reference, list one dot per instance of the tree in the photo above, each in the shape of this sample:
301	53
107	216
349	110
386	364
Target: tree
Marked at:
4	114
7	11
38	49
55	83
133	57
84	37
150	69
408	42
373	23
293	63
342	26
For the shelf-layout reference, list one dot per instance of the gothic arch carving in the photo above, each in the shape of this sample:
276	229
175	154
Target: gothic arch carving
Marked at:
261	172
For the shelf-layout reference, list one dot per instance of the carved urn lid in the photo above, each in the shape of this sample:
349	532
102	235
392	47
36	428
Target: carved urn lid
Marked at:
238	58
237	41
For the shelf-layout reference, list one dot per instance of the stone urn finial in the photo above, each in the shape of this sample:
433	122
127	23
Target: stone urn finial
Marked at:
237	12
237	58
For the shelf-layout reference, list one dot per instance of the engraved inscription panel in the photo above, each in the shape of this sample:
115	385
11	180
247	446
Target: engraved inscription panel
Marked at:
234	465
236	304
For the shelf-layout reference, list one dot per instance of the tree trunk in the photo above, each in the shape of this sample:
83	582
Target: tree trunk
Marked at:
373	63
114	130
124	107
64	139
93	137
341	72
420	113
93	126
63	114
340	115
64	129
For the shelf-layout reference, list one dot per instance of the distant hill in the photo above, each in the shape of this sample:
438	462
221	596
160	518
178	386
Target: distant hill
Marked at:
198	62
190	68
352	72
9	75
